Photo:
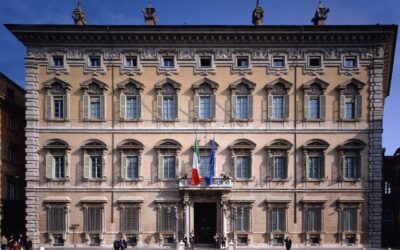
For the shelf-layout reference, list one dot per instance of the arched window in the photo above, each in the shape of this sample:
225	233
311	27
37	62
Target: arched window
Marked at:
94	160
131	159
278	159
314	156
168	161
350	160
242	150
57	160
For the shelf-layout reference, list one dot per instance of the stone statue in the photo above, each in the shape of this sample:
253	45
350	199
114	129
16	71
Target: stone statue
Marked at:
258	14
321	14
78	15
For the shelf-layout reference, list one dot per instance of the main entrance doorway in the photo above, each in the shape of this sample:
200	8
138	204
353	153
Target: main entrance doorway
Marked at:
205	222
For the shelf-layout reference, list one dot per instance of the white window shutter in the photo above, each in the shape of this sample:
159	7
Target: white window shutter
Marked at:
306	106
213	106
322	166
196	107
342	164
49	107
342	107
233	106
49	166
307	167
250	106
66	106
176	106
270	97
286	106
176	166
103	167
358	102
124	165
139	165
86	107
67	167
139	106
160	167
86	166
102	106
235	167
159	106
322	107
285	167
122	106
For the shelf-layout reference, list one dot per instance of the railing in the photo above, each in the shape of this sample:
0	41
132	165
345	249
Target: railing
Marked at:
218	184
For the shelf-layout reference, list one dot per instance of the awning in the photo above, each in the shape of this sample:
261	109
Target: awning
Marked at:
135	199
94	199
65	199
314	199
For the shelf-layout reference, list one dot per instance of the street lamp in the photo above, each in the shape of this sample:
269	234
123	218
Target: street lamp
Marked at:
236	213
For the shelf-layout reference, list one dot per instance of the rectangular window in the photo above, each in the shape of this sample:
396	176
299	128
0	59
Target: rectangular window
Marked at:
350	220
58	61
130	219
314	107
94	219
58	107
277	107
12	154
131	107
351	167
315	167
130	62
314	219
205	107
243	220
242	62
350	108
205	61
59	167
95	61
12	125
314	61
279	167
278	61
96	166
95	107
168	62
205	165
132	167
350	62
167	220
242	107
168	107
278	220
11	188
243	167
169	167
56	219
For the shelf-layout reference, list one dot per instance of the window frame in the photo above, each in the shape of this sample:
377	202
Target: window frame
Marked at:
134	59
94	148
56	148
351	148
278	87
167	88
205	57
128	148
170	59
351	89
124	206
242	88
130	88
53	61
278	148
319	58
167	148
55	88
315	148
92	59
275	59
246	58
242	148
94	88
204	88
346	58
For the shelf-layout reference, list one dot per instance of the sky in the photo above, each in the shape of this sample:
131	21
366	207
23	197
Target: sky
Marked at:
197	12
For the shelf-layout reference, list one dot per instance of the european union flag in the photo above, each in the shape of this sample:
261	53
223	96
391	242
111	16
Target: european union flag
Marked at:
210	178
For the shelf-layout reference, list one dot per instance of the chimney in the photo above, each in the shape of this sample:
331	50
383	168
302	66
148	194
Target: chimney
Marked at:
78	15
321	14
150	15
258	14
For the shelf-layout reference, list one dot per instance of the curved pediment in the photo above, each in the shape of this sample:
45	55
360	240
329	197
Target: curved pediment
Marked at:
316	144
168	144
131	144
242	144
352	144
94	144
279	144
56	144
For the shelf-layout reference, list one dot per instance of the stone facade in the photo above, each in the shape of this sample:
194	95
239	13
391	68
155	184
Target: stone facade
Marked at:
175	65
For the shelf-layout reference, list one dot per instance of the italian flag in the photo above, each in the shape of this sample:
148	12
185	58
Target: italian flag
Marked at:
196	164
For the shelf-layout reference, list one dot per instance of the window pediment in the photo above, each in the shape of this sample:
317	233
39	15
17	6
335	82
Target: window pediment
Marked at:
130	144
352	144
317	144
205	86
94	86
242	144
57	144
278	86
279	144
242	86
131	86
315	86
352	86
95	144
167	85
168	144
56	85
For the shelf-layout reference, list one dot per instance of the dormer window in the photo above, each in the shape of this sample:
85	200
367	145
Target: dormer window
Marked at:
205	61
278	61
350	62
168	61
130	62
242	61
95	61
57	61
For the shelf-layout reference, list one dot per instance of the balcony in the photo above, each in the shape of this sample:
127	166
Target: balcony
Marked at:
219	183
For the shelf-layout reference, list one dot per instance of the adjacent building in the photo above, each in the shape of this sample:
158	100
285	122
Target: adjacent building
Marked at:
295	111
12	170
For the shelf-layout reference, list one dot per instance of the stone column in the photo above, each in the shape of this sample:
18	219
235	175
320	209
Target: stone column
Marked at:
223	217
186	203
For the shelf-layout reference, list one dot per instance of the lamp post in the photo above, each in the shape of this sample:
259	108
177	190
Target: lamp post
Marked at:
236	213
176	226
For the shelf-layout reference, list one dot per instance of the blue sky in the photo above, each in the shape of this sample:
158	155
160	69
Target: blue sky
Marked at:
237	12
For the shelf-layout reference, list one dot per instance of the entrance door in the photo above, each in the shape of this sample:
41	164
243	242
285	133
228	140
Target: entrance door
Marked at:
205	222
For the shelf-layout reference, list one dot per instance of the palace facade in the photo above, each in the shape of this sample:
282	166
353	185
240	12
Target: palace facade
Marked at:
296	113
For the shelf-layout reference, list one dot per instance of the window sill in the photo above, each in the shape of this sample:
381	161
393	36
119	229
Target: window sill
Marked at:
244	232
95	120
131	120
314	180
243	179
242	120
349	180
96	180
66	179
57	120
168	180
314	120
204	120
350	120
278	180
132	180
278	120
167	120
